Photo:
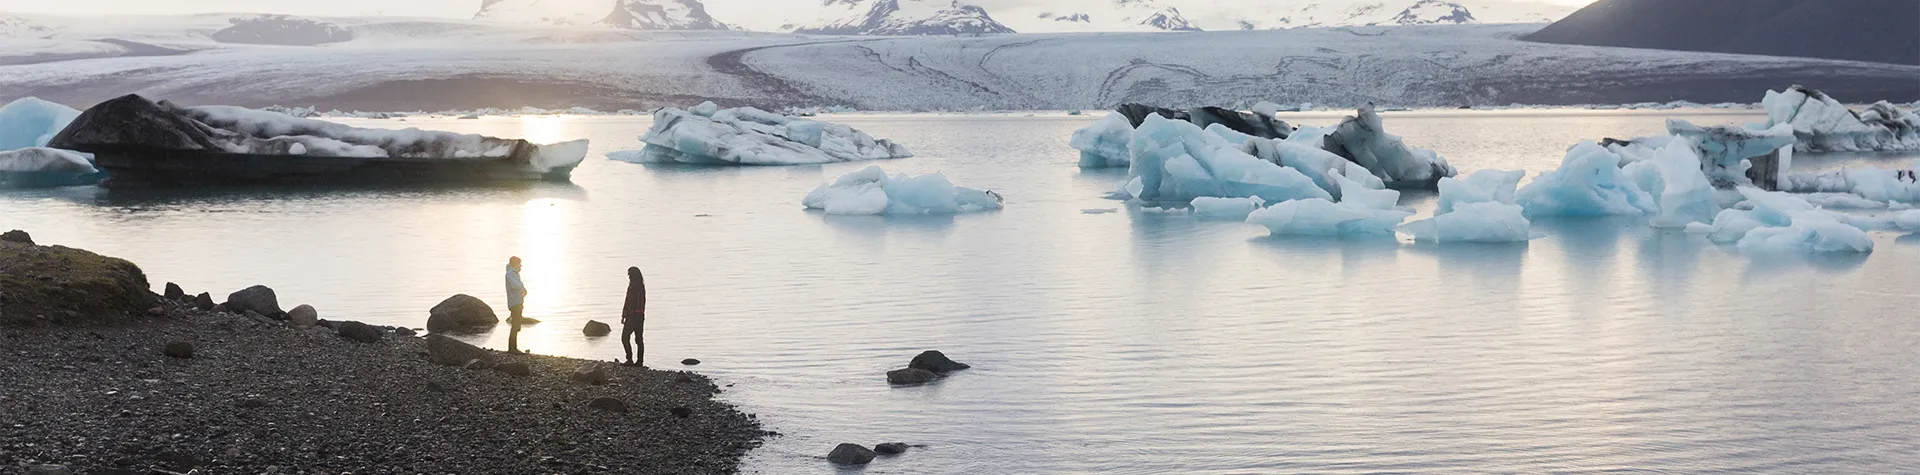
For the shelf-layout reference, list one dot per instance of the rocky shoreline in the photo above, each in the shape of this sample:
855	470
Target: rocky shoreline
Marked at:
177	389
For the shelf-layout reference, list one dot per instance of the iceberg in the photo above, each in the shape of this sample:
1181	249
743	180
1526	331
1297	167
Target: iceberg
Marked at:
1875	184
708	135
1479	208
1363	139
31	122
1589	182
1226	208
871	191
1783	222
1321	166
1104	144
1364	210
43	167
1683	192
1733	156
1176	161
1824	124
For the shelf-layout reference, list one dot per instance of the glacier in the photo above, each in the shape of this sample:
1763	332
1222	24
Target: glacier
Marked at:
31	122
1824	124
871	191
1479	208
708	135
1589	182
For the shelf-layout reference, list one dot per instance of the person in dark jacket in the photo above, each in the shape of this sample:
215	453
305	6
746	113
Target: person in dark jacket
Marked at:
633	317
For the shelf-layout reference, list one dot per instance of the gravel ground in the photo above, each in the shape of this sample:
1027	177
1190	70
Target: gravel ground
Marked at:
267	398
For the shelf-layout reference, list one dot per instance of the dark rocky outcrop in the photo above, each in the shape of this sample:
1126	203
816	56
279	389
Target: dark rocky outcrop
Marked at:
445	350
281	30
359	332
595	328
259	299
66	286
178	349
936	362
174	292
17	236
890	448
851	454
204	302
607	404
303	316
909	376
1881	31
460	312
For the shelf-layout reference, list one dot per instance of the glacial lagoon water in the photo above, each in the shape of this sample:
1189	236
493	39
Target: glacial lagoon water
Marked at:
1124	342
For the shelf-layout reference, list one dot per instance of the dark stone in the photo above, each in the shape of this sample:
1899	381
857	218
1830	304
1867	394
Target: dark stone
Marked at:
911	376
258	299
595	328
460	312
890	448
850	454
204	302
516	368
359	332
174	293
445	350
179	349
690	362
591	373
937	362
17	236
681	412
608	404
303	316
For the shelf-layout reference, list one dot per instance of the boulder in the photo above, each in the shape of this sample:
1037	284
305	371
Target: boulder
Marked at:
936	362
17	236
179	349
359	332
608	404
516	368
204	302
174	293
460	312
445	350
591	373
65	286
890	448
681	412
595	328
911	376
257	298
850	454
690	362
303	316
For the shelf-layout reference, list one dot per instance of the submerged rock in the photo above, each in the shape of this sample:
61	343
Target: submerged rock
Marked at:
851	454
890	448
907	376
937	362
460	312
690	362
595	328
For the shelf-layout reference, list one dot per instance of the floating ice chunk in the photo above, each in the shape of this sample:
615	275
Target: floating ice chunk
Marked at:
872	191
1907	221
1317	164
1823	124
1877	184
31	122
1684	193
1226	208
1104	144
1845	201
1589	182
277	133
1320	217
1485	221
1176	161
748	136
1784	222
1363	139
1808	235
45	160
1367	195
1484	186
1726	153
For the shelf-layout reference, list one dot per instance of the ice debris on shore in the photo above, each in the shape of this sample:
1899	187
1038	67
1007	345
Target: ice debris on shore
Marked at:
1479	208
871	191
1824	124
31	122
708	135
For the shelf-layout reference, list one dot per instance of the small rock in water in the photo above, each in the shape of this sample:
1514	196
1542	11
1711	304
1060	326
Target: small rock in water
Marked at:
911	376
890	448
516	368
359	332
937	362
17	236
303	316
850	454
595	328
690	362
608	404
179	349
174	293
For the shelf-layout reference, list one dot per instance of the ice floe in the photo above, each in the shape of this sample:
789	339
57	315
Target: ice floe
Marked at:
1784	222
1364	211
1175	161
31	122
871	191
1226	208
1479	208
708	135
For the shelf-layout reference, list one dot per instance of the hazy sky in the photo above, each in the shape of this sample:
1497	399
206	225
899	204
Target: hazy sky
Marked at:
430	8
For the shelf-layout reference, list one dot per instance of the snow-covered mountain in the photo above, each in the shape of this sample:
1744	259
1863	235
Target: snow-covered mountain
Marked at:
626	14
16	27
901	17
1111	15
1214	15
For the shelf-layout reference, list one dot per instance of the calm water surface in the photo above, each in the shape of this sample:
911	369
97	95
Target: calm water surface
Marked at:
1130	342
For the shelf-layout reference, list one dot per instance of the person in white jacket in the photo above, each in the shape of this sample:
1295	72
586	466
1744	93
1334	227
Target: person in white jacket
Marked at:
516	301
